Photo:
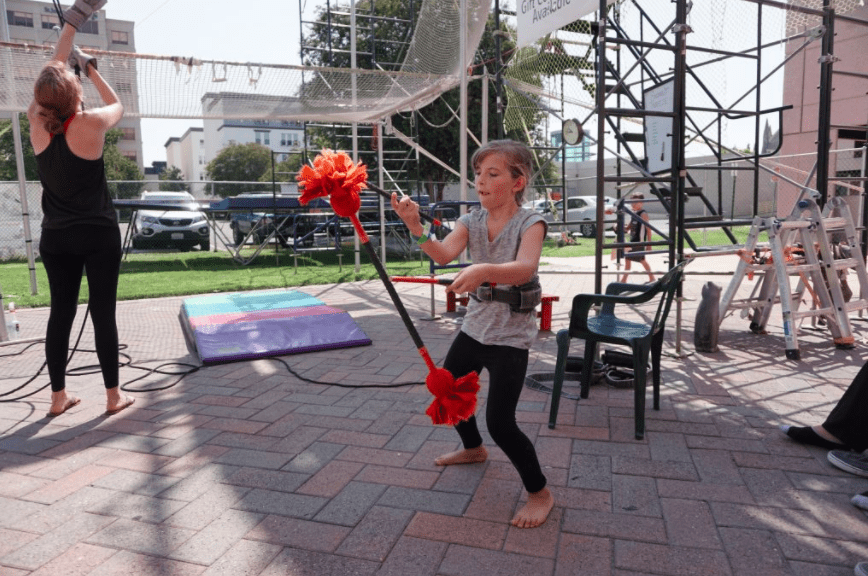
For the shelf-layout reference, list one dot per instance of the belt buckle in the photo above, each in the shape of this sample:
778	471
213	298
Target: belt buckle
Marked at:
483	292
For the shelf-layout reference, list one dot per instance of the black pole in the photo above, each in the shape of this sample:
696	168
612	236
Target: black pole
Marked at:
864	202
824	121
498	66
676	223
756	134
601	137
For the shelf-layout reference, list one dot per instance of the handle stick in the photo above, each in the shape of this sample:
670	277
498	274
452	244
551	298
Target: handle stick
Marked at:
422	215
422	280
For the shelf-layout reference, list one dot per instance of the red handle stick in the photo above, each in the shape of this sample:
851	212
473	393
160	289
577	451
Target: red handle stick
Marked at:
422	280
335	175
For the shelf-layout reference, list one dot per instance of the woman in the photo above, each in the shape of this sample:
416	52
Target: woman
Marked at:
79	228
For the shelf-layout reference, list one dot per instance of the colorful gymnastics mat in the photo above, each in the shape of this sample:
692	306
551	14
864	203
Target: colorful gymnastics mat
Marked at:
240	326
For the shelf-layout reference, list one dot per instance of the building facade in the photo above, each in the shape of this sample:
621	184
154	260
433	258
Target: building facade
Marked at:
188	154
849	111
31	22
283	137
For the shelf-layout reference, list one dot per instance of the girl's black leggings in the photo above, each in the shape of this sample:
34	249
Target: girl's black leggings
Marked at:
506	369
66	254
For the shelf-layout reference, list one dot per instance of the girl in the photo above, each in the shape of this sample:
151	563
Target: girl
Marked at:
505	242
79	228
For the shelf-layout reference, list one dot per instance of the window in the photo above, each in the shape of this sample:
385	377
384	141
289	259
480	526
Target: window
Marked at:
90	27
49	21
16	18
130	154
124	88
263	137
119	37
128	133
258	136
267	138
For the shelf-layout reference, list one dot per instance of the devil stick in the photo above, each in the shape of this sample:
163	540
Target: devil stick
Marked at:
335	175
422	215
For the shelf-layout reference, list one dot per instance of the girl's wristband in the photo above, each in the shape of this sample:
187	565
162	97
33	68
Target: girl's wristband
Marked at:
426	234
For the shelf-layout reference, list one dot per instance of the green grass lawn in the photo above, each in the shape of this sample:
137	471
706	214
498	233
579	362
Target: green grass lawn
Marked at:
158	274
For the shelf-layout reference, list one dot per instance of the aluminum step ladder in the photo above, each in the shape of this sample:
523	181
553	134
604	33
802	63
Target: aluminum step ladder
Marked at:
800	246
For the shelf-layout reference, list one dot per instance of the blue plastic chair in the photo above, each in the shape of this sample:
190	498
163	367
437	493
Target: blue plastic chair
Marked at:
607	327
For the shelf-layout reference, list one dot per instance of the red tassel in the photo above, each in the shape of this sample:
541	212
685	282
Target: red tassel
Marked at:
454	400
334	175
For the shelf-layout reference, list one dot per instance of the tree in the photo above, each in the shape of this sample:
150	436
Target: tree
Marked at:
119	167
284	171
8	167
171	180
239	163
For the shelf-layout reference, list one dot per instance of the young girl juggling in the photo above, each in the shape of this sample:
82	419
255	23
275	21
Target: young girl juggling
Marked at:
505	243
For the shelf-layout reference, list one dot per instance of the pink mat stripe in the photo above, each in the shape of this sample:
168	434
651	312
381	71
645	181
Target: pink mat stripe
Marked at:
240	317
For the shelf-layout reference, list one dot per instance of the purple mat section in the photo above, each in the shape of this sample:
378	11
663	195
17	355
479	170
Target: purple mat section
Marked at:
257	335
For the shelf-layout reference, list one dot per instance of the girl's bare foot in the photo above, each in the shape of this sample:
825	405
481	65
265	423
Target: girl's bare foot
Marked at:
471	456
535	511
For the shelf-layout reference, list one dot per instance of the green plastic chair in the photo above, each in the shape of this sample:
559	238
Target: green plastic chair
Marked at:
607	327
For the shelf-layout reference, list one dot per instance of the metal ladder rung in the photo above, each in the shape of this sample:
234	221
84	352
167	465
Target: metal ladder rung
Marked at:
853	305
834	223
799	268
815	312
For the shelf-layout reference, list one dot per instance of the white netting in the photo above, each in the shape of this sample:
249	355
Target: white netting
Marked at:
179	87
799	21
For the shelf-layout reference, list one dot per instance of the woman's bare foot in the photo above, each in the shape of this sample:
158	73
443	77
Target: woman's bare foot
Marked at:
115	402
61	402
471	456
822	432
535	511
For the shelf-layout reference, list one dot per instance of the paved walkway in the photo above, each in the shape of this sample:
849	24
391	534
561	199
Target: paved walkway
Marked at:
244	469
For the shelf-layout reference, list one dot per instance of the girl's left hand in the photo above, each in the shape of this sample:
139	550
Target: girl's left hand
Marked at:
468	279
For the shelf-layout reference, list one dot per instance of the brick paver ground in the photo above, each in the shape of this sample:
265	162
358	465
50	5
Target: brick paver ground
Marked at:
245	468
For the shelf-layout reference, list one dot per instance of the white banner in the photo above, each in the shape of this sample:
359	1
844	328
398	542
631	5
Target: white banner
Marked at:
536	18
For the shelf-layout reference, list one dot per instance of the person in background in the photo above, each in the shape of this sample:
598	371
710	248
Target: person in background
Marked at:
639	232
80	230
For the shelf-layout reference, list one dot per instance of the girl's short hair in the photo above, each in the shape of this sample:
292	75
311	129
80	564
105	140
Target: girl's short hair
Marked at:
58	92
518	157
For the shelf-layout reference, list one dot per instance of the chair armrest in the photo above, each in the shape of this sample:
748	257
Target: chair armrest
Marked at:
582	304
620	287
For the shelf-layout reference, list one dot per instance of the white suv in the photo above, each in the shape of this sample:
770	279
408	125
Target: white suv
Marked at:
182	228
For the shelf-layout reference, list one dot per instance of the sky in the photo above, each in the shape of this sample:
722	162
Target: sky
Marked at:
264	31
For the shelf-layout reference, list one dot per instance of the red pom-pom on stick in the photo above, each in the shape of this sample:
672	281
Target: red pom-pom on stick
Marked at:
334	174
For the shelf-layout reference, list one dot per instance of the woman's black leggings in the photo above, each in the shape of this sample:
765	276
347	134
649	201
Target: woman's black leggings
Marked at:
506	369
66	254
848	421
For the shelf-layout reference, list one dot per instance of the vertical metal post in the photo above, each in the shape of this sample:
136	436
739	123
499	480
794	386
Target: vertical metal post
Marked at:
679	172
462	26
484	136
380	182
498	66
22	175
759	80
864	203
824	120
601	140
353	62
